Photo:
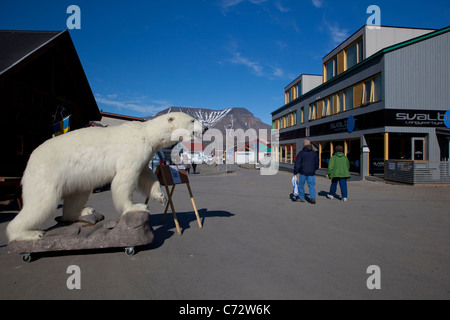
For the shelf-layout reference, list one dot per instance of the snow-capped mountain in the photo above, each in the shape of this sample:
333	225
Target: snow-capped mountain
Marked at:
207	117
231	118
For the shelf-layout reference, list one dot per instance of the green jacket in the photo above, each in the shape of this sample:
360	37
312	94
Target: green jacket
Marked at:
339	166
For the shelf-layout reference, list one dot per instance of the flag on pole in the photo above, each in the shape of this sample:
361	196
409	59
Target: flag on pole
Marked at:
61	127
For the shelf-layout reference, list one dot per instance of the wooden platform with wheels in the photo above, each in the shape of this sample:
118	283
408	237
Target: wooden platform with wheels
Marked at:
90	232
171	176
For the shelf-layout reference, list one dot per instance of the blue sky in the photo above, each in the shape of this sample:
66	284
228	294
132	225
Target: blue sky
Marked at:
141	57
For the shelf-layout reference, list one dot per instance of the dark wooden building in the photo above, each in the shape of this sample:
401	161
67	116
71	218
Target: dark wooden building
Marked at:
42	82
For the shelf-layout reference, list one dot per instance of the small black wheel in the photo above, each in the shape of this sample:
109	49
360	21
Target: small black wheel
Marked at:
26	257
129	251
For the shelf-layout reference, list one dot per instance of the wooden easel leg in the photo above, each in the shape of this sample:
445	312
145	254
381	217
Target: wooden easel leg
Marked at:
169	195
195	207
169	202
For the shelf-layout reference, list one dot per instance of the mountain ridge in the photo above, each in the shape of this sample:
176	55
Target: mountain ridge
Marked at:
229	118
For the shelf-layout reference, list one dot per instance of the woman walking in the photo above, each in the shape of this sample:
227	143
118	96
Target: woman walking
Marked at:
338	172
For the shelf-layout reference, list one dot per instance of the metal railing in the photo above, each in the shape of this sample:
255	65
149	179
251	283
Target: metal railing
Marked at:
417	172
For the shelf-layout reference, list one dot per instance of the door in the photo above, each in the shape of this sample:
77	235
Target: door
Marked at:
418	149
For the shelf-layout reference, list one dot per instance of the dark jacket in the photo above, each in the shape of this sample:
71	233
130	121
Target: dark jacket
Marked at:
306	162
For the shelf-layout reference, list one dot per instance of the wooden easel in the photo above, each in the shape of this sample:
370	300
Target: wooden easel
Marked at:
171	176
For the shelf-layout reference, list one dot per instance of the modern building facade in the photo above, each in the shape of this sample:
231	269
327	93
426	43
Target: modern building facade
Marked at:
384	95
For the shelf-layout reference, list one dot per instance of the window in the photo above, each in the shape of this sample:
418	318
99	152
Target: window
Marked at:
302	115
360	51
372	90
378	89
292	94
287	96
331	68
276	124
367	92
341	106
287	153
286	121
348	99
313	111
328	107
352	56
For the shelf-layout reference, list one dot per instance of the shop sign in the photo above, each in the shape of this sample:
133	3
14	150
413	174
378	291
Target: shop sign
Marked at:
343	125
423	118
383	118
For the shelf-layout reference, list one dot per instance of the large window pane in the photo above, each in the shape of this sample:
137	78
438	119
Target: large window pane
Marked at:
331	65
349	99
341	102
352	56
367	91
360	51
378	89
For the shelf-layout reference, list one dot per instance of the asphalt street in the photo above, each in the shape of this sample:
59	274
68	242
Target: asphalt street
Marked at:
257	244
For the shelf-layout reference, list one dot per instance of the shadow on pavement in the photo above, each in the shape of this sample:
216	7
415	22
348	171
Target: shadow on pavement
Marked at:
167	230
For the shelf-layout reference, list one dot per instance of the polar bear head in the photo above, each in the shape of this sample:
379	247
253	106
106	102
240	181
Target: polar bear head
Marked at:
177	126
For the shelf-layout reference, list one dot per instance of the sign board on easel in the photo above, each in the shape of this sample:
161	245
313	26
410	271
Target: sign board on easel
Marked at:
171	176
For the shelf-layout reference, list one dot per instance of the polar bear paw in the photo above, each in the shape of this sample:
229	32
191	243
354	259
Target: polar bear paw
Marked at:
137	207
160	197
32	235
87	211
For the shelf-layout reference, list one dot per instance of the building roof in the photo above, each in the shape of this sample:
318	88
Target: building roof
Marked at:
19	49
42	82
376	55
120	116
20	45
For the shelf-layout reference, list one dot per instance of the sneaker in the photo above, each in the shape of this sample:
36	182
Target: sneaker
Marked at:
300	200
344	199
313	201
329	196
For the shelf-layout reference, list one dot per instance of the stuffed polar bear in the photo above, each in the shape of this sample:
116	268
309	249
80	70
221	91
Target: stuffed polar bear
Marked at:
67	167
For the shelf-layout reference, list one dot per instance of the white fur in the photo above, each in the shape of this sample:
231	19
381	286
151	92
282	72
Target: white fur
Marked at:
67	167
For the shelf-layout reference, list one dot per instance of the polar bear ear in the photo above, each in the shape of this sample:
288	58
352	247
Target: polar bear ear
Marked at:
170	119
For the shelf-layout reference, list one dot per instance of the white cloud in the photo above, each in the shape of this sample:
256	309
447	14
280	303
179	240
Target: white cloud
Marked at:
317	3
277	72
225	4
258	68
229	3
337	33
252	65
281	8
139	105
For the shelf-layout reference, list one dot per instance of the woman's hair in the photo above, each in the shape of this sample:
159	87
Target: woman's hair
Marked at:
339	149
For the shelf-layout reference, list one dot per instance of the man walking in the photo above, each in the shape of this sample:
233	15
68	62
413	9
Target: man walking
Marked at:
306	164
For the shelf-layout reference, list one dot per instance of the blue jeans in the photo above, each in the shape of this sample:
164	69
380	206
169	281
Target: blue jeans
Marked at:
342	184
311	181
